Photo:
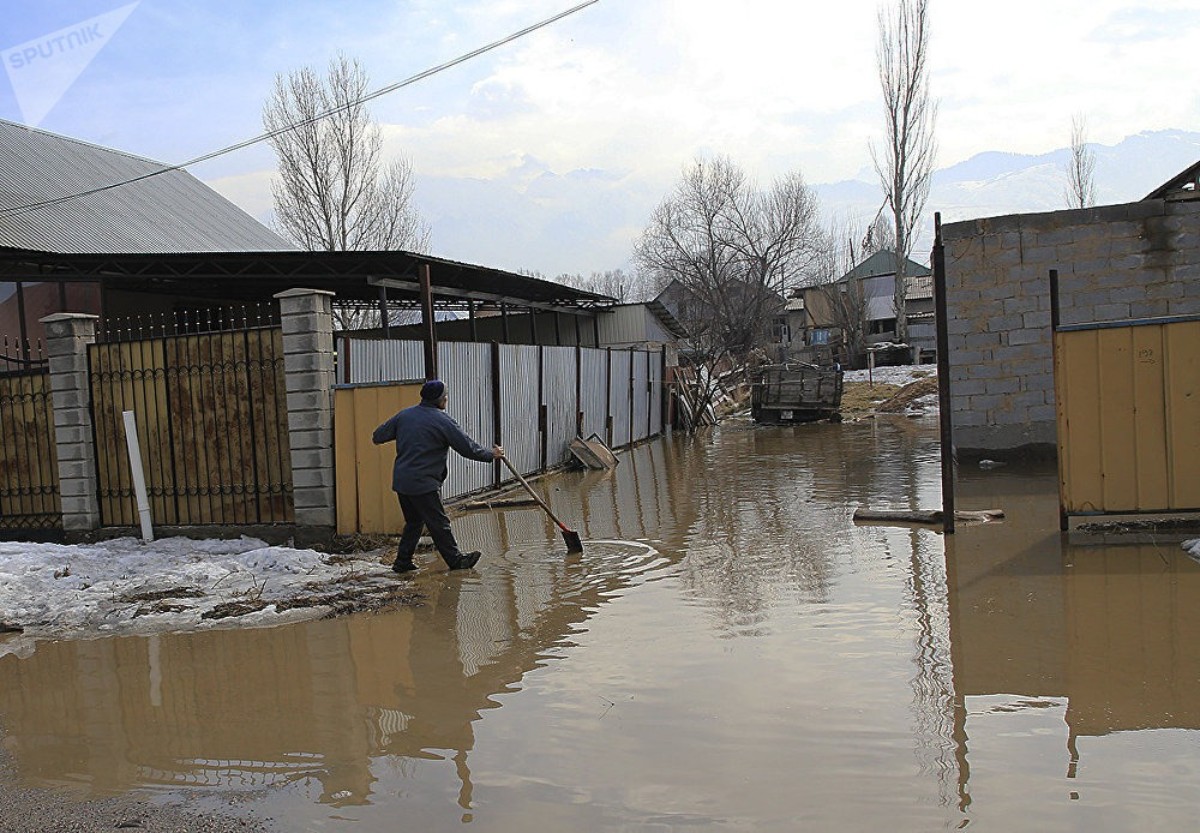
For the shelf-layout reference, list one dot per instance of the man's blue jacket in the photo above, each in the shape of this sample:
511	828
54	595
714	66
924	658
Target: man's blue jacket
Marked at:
423	433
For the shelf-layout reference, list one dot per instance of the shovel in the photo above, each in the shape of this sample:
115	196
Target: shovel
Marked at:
570	536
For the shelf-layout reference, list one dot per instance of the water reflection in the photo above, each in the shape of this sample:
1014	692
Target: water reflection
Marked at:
1101	636
874	676
260	707
319	701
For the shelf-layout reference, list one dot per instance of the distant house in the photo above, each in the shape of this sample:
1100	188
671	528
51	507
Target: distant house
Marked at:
857	311
877	274
688	310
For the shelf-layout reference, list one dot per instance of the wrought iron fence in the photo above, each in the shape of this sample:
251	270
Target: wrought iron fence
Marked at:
211	415
17	355
29	494
192	321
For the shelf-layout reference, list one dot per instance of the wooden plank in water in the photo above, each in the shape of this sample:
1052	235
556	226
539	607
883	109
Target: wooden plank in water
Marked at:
497	503
920	516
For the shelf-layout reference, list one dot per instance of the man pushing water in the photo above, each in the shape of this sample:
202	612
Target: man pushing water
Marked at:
424	434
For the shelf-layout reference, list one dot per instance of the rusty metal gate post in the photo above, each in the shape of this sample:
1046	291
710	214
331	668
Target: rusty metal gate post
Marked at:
945	422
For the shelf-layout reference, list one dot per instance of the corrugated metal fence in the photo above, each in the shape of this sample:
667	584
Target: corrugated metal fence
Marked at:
544	396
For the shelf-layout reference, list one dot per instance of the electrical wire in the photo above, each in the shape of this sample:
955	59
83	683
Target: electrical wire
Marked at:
13	211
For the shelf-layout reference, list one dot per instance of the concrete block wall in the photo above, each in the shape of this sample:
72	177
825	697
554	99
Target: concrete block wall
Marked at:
1130	261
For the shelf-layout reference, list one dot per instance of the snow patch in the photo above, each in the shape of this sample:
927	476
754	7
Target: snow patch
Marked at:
128	586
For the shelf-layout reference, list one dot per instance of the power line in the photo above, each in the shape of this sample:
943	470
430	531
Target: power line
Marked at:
262	137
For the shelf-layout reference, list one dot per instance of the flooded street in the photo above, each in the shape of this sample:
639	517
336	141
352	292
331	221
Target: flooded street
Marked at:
731	651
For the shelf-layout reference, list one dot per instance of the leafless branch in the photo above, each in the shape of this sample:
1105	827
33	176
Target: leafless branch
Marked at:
334	191
905	165
1081	184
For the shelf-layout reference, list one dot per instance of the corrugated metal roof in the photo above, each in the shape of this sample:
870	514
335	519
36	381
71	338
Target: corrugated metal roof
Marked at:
169	212
635	323
884	262
668	319
246	276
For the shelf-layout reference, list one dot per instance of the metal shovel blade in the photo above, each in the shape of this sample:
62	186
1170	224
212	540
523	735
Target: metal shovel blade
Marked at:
571	537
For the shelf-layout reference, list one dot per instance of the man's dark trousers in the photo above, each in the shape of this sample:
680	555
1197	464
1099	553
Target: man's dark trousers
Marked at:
426	511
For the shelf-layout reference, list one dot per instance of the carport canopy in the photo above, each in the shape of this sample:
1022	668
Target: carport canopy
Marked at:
356	277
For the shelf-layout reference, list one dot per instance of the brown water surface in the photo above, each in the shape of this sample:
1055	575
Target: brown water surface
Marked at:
730	652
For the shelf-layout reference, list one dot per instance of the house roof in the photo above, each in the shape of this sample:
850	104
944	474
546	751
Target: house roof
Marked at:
169	233
1186	180
160	212
660	311
884	262
258	276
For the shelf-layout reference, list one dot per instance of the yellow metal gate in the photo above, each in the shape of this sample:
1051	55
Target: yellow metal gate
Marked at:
365	500
1128	408
211	413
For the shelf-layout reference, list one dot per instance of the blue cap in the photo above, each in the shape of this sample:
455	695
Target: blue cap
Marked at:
432	390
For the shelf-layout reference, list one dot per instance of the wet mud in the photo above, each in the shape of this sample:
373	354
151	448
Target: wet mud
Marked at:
730	651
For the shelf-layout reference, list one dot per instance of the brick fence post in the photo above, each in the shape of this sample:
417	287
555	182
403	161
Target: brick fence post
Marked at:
307	318
67	338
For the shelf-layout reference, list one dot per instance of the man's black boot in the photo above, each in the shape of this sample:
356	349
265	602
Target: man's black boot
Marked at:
466	561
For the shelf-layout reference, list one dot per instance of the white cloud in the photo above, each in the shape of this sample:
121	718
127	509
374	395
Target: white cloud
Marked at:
250	192
637	90
1012	80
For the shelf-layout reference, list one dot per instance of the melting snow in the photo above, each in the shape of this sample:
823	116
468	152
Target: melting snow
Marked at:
127	586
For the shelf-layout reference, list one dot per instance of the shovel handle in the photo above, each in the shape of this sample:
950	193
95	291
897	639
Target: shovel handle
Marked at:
533	494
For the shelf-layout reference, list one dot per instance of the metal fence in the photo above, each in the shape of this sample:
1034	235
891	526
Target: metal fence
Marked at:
211	416
620	398
29	495
539	397
559	404
520	406
1127	410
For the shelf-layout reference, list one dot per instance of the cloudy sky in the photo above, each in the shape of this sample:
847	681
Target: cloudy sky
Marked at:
549	153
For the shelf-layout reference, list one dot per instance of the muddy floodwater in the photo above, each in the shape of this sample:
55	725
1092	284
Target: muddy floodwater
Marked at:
730	652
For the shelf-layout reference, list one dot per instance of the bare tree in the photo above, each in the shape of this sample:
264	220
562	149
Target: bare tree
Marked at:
730	252
732	249
880	236
843	305
837	305
334	191
615	283
905	166
1081	184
